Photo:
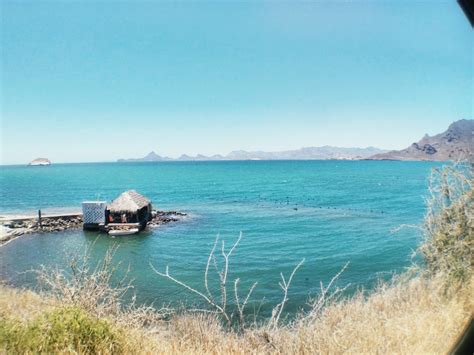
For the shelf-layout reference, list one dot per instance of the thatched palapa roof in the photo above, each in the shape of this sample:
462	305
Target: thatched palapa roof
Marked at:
129	201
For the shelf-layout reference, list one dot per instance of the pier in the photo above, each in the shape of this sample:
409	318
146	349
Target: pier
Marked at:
17	218
43	221
12	226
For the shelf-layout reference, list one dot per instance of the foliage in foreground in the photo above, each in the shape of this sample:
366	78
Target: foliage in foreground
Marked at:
66	328
408	317
82	314
449	225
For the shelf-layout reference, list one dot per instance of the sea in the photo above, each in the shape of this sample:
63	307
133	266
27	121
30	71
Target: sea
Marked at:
329	213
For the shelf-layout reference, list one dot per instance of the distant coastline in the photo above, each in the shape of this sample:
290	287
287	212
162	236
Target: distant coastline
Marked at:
456	143
307	153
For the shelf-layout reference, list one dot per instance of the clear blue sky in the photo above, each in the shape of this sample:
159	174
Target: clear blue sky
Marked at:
96	81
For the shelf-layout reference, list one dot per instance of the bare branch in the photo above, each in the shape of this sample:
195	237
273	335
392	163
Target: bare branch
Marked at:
325	296
189	288
206	273
285	285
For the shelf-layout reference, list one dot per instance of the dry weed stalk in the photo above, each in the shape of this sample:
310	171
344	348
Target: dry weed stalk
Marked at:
326	296
285	286
221	307
241	306
90	288
218	307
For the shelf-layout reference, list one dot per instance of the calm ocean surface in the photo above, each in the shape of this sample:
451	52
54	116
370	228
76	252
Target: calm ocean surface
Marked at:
328	212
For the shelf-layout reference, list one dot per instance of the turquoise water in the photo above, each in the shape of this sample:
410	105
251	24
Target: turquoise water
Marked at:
328	212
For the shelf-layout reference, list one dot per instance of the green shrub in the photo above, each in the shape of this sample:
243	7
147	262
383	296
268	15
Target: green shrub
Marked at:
449	224
67	329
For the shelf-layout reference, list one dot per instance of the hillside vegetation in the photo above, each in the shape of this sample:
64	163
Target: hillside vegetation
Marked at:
423	310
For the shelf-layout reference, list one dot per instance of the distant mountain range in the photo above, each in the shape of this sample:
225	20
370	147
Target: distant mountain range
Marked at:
309	153
456	143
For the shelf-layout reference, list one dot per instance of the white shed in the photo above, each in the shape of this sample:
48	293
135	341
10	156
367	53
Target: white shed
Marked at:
93	213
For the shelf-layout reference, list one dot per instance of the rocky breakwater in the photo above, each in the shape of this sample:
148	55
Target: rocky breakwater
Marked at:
14	228
164	217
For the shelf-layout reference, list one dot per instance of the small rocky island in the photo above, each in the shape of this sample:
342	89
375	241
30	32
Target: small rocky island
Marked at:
40	162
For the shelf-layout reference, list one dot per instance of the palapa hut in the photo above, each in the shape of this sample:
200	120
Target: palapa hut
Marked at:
129	209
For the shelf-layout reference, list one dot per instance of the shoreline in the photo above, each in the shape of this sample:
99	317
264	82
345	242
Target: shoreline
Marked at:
14	226
230	160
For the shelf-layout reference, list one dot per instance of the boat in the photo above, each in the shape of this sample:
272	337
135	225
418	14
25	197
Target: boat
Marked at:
120	232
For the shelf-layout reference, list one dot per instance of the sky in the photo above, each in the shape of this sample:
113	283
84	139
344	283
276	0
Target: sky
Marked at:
85	81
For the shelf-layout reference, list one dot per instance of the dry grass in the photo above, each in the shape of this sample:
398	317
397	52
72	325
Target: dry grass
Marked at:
23	305
410	317
416	313
406	318
91	288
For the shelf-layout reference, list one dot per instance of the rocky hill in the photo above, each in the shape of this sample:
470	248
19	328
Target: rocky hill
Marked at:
307	153
152	156
456	143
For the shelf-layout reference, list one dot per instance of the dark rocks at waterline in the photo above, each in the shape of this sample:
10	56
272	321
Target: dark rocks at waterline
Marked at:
48	224
164	217
15	228
168	213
